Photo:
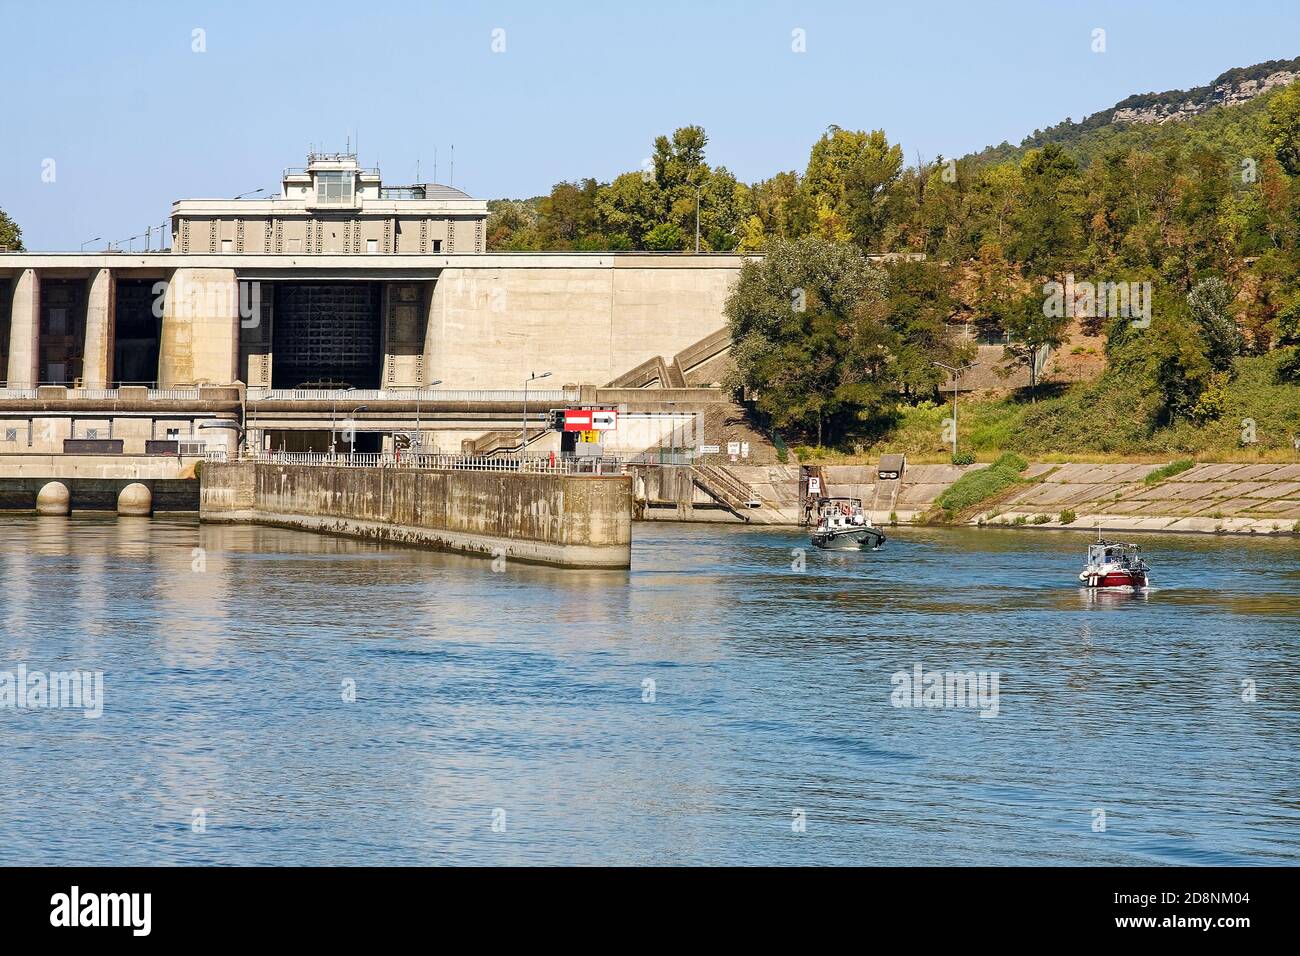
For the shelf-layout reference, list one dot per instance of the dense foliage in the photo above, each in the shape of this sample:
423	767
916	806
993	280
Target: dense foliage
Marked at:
11	237
1206	210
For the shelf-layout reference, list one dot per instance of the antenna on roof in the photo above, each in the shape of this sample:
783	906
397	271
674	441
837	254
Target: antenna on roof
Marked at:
417	167
435	164
452	181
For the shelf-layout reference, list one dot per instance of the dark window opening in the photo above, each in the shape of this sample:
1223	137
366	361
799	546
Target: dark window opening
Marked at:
136	333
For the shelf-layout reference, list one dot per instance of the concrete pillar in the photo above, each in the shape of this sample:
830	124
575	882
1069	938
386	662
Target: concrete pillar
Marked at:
97	365
25	331
200	329
53	499
135	500
405	310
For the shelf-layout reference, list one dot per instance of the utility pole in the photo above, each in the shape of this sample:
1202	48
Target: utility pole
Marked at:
954	372
523	432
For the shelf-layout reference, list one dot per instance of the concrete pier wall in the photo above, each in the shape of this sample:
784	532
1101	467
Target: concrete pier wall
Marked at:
563	520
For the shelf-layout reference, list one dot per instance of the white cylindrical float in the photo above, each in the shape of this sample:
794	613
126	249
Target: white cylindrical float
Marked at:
135	500
53	499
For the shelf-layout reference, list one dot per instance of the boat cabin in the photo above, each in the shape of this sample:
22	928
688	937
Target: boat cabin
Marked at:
840	512
1114	552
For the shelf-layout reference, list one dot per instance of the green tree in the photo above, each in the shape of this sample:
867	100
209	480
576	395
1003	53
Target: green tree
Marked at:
847	181
1033	329
1046	222
916	308
665	237
11	237
1176	364
630	206
1284	127
1210	304
568	216
809	346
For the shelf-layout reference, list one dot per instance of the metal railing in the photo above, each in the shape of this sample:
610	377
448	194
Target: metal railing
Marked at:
343	396
529	464
661	457
107	394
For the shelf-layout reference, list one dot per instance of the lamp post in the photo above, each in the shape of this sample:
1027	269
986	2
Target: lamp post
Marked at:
334	407
89	241
418	439
523	432
353	418
250	418
954	372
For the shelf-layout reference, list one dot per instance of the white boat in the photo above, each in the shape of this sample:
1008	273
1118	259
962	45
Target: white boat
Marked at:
842	525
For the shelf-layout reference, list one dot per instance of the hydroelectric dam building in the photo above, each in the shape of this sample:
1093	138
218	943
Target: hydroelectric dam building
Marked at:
268	322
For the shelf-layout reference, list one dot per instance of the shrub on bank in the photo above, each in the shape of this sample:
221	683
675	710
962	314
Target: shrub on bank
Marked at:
1168	471
1011	461
964	458
977	486
1067	517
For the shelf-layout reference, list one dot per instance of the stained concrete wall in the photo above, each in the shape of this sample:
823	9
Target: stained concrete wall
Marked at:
1227	498
1224	498
563	520
100	494
588	322
200	329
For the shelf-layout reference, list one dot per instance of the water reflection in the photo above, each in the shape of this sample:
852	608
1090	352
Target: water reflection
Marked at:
678	712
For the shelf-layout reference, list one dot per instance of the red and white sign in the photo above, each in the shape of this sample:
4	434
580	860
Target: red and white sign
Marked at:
590	420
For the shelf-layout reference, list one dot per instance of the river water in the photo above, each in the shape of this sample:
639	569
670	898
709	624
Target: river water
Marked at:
723	702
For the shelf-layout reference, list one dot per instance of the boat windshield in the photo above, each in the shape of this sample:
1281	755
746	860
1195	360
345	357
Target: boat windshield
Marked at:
1122	554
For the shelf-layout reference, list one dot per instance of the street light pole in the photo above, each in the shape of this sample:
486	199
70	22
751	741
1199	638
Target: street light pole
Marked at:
89	241
353	418
523	432
418	439
954	372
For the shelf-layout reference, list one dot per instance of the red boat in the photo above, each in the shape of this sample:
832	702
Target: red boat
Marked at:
1114	564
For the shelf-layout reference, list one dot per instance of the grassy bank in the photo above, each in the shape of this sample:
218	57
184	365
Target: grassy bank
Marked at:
982	485
1095	421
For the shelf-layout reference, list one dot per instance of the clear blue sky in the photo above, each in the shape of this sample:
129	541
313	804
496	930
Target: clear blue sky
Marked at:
134	119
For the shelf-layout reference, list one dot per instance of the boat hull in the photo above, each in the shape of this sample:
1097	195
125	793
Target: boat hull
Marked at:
849	539
1114	579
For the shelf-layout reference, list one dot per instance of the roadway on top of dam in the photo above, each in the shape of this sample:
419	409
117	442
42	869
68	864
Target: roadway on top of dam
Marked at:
379	266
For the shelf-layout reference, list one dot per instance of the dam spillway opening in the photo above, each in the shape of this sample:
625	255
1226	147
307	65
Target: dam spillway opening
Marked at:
326	334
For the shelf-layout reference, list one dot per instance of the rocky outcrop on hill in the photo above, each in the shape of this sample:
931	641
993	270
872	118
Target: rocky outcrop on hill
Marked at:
1157	108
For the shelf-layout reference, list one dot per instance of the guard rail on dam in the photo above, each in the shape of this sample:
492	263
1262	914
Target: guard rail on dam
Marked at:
529	512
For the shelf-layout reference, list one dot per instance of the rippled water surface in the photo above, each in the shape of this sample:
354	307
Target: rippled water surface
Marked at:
481	692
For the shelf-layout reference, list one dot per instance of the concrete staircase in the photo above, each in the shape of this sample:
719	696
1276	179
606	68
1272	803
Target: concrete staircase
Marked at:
497	442
736	495
660	373
727	489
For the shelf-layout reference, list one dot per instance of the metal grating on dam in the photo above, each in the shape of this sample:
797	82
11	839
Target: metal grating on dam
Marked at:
327	335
